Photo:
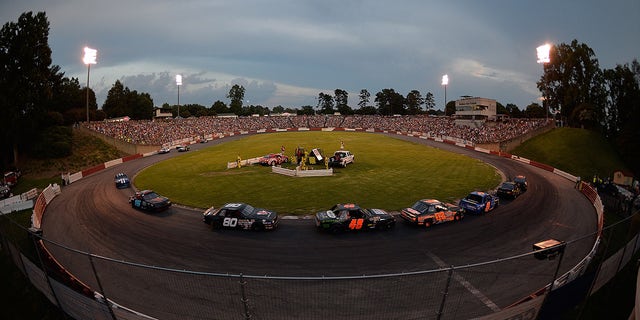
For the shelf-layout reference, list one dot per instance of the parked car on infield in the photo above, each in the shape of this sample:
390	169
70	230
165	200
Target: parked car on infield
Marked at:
349	216
341	158
427	212
183	148
509	189
521	181
479	202
164	150
149	200
122	181
273	159
240	216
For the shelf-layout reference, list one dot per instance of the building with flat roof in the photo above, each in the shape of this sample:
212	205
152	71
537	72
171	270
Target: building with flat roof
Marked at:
474	111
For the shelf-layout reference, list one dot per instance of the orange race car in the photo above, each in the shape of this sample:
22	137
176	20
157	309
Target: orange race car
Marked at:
427	212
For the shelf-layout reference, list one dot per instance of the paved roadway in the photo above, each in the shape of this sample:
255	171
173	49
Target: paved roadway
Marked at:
92	216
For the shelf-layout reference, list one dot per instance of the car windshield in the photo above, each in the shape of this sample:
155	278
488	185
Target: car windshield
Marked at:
423	207
507	186
150	196
474	197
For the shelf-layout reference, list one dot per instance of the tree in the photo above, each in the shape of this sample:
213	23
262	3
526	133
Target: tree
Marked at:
306	110
624	97
429	102
450	108
414	102
364	98
236	95
325	103
121	101
219	107
341	99
27	81
572	78
513	111
534	110
278	109
390	102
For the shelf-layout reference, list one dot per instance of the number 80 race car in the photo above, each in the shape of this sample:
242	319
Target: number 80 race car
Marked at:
240	216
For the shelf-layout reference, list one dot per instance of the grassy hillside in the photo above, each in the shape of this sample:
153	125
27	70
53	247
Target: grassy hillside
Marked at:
577	151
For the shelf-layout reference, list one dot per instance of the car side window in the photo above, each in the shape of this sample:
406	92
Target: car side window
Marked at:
222	213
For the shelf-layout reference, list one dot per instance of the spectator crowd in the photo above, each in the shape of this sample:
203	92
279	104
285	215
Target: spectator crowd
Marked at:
158	132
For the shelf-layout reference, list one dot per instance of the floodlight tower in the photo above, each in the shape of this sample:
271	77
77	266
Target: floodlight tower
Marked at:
445	82
178	83
543	57
90	57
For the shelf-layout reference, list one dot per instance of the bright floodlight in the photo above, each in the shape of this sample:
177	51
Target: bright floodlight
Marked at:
543	53
445	80
90	55
179	80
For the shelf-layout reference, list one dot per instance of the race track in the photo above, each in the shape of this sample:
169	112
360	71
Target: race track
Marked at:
91	215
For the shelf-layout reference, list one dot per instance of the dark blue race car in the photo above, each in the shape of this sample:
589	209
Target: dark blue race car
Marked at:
149	200
122	181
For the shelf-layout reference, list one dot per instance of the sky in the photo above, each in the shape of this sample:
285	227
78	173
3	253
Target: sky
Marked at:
285	52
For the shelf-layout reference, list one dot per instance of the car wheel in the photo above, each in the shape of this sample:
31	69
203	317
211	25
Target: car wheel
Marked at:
335	229
457	217
215	225
257	226
428	223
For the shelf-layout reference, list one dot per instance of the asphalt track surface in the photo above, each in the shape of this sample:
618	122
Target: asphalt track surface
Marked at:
91	215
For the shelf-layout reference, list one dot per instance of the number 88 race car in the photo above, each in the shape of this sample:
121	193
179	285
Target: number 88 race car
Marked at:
240	216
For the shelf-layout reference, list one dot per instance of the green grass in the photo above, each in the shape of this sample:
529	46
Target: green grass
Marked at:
580	152
388	173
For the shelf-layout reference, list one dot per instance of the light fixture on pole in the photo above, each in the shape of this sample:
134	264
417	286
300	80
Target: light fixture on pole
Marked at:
543	57
90	57
445	82
178	83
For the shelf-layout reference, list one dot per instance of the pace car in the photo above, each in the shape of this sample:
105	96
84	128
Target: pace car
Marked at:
122	181
341	158
427	212
273	159
240	216
149	200
164	150
479	202
349	216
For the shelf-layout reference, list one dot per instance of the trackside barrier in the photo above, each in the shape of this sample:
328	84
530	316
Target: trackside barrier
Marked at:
50	192
528	309
19	202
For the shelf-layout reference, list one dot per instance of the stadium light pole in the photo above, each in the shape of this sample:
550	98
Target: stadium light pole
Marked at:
90	57
543	57
178	83
445	82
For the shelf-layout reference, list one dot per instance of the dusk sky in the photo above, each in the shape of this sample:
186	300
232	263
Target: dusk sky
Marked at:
285	52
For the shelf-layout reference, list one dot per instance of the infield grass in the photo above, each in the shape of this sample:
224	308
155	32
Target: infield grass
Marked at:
388	173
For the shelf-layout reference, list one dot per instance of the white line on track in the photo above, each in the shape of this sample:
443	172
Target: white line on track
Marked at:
475	292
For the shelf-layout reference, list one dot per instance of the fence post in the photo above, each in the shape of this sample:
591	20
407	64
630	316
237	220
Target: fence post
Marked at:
95	274
446	292
245	301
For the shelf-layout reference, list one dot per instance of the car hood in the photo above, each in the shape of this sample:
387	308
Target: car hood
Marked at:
266	214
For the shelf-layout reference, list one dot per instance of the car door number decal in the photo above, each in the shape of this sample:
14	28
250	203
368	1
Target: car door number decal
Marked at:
356	224
230	222
440	216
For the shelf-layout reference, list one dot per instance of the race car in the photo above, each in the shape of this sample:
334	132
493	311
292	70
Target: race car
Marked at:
521	181
164	150
349	216
341	158
183	148
240	216
149	200
479	202
509	189
122	181
427	212
273	159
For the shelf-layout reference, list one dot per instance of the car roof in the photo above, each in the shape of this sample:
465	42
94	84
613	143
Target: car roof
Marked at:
346	206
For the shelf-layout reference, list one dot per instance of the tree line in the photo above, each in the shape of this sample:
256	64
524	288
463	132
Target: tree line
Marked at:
38	102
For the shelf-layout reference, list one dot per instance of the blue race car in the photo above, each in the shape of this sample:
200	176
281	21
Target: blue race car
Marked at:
479	202
122	181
